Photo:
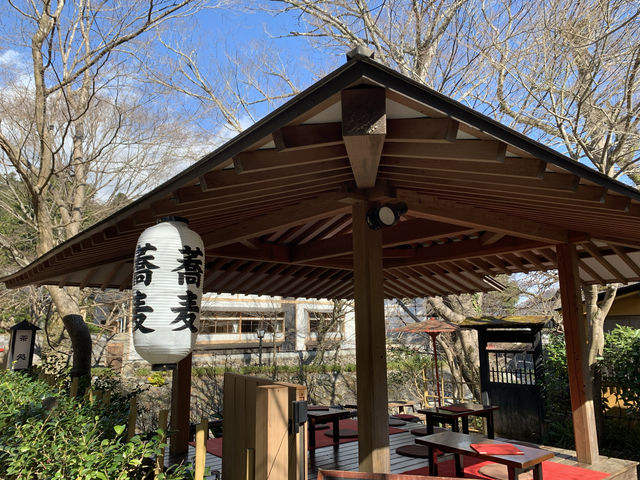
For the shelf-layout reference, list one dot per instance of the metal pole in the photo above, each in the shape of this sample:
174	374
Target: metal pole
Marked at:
435	359
260	352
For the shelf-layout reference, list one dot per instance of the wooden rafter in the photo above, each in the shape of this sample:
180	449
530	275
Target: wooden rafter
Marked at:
451	212
299	213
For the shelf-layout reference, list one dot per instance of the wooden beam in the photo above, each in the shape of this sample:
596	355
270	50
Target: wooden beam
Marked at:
373	425
465	250
420	130
620	252
451	212
489	238
301	212
477	150
181	407
259	160
511	167
228	179
411	231
580	381
364	127
595	253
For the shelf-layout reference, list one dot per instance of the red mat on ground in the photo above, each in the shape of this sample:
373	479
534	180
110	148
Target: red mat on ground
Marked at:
214	445
550	470
323	440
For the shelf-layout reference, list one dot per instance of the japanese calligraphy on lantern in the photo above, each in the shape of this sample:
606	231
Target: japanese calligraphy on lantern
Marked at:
142	267
190	266
168	275
20	350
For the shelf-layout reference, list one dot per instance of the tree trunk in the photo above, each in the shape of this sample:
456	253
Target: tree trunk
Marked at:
81	342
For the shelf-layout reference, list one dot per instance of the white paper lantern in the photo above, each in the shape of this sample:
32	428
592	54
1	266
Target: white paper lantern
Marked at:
168	271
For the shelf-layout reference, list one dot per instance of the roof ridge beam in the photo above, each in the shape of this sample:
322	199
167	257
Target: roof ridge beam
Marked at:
364	128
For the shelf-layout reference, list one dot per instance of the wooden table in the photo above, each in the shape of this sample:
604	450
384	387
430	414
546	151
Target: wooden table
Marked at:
441	415
459	444
330	415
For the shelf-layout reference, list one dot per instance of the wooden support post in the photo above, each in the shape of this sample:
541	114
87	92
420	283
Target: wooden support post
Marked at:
371	357
271	451
106	398
201	448
73	393
181	407
575	331
133	416
162	424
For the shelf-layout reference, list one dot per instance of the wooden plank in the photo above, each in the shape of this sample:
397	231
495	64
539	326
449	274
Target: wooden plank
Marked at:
364	127
181	406
421	130
466	249
373	438
479	150
271	452
230	446
620	252
452	212
260	160
595	253
201	449
580	381
510	167
301	212
296	393
411	231
226	179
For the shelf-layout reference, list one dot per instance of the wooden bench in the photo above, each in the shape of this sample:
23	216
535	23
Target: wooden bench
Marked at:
460	444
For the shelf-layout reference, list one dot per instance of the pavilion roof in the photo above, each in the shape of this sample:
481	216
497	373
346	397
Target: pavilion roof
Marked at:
273	205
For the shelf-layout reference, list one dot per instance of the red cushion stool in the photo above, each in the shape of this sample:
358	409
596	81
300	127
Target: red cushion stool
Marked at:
406	417
416	451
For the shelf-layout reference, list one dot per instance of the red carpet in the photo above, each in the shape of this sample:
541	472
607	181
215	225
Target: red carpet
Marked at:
323	440
550	470
214	445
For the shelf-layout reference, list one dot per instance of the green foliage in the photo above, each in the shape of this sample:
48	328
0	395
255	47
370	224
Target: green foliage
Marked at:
557	401
620	365
46	434
157	379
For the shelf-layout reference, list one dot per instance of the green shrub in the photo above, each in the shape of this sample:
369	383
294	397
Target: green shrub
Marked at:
620	365
44	434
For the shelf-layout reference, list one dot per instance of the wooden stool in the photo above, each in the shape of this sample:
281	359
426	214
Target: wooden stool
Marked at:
416	451
499	472
395	422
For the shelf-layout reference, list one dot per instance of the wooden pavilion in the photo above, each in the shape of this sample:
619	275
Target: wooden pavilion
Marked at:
282	211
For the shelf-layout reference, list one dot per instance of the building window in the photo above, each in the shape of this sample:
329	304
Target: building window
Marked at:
233	322
324	323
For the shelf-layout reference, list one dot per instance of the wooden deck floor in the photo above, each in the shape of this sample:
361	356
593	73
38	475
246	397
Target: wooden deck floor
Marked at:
345	457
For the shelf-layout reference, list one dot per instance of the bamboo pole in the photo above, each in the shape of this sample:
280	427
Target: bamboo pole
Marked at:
251	464
163	418
73	393
201	448
133	414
